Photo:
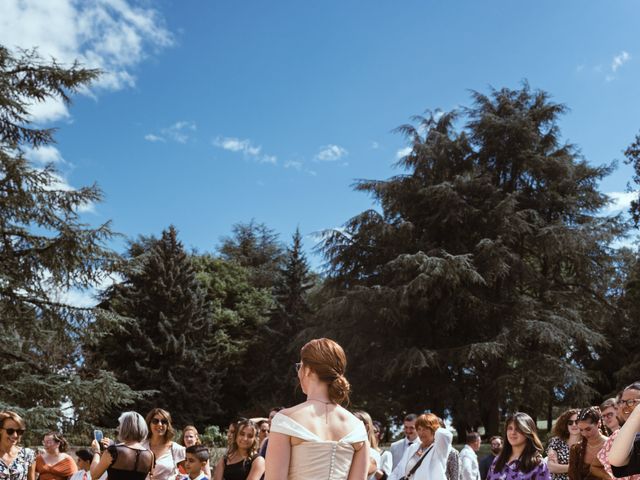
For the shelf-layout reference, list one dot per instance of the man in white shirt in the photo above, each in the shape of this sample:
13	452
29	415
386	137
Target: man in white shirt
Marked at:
398	448
469	469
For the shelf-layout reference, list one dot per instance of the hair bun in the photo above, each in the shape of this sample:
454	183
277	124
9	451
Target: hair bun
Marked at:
339	390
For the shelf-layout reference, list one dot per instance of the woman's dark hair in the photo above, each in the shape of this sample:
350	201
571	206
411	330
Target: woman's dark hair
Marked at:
164	414
561	427
59	439
532	453
327	360
592	415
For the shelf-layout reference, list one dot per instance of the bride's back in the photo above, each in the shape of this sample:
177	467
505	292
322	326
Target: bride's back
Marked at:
327	422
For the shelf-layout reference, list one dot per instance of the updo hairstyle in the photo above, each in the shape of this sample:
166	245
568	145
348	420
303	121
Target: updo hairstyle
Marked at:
327	360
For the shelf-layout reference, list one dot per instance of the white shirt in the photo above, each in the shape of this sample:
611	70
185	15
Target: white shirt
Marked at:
434	466
469	469
79	475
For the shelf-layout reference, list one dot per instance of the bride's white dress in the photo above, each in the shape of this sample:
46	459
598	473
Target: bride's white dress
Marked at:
314	458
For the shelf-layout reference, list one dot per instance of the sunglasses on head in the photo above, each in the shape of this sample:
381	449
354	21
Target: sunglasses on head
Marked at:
159	421
11	431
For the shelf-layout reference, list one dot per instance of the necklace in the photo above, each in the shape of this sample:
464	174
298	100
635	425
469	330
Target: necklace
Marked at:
326	407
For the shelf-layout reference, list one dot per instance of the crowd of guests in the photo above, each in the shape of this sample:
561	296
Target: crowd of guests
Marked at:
319	439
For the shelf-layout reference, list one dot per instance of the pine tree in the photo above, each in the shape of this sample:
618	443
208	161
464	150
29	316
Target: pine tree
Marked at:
45	249
276	383
160	334
257	248
240	315
482	278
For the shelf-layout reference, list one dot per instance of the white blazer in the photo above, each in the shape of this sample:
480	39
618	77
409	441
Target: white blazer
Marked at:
434	466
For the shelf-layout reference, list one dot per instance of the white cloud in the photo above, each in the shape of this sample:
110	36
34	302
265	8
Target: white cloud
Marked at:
619	60
331	153
246	147
179	131
150	137
620	201
293	164
44	155
111	35
403	152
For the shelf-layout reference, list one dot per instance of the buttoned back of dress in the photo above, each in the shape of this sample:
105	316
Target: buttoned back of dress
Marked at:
314	458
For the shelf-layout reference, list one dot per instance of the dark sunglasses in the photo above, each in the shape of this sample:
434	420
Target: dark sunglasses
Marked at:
572	422
158	421
11	431
629	403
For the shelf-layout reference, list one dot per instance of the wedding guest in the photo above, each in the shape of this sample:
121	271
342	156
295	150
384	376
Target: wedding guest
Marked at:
399	447
583	460
564	434
168	454
521	456
129	458
16	462
469	468
495	444
55	464
426	459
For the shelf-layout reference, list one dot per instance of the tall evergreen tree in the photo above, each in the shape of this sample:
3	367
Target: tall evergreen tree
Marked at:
240	315
257	248
45	249
275	384
482	275
162	337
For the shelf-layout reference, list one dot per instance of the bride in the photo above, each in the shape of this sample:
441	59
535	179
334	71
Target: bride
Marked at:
318	438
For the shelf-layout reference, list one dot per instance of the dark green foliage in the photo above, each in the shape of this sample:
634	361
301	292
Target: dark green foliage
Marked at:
257	248
483	278
632	154
240	313
159	333
45	249
275	384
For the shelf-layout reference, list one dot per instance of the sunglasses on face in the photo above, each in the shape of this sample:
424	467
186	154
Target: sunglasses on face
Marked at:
629	403
159	421
572	422
11	431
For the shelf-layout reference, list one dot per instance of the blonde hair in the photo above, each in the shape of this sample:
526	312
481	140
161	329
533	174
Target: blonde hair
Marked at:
368	425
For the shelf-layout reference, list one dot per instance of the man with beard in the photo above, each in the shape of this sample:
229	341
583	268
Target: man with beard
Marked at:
484	464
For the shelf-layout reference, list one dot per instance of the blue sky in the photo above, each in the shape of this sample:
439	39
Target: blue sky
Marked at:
216	112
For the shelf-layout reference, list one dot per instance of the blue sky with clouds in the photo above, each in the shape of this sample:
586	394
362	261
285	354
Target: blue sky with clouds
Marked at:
212	112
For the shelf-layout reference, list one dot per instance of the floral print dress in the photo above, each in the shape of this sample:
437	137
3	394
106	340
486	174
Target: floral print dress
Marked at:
19	468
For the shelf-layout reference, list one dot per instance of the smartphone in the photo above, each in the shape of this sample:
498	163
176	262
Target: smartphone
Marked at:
98	435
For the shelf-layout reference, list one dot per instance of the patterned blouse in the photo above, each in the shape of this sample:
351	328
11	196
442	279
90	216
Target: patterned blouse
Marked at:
603	456
511	472
19	468
562	450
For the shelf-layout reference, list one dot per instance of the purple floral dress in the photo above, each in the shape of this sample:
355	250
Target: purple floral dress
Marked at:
511	472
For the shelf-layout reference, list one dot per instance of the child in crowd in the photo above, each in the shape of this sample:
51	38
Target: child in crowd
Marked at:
197	458
84	464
